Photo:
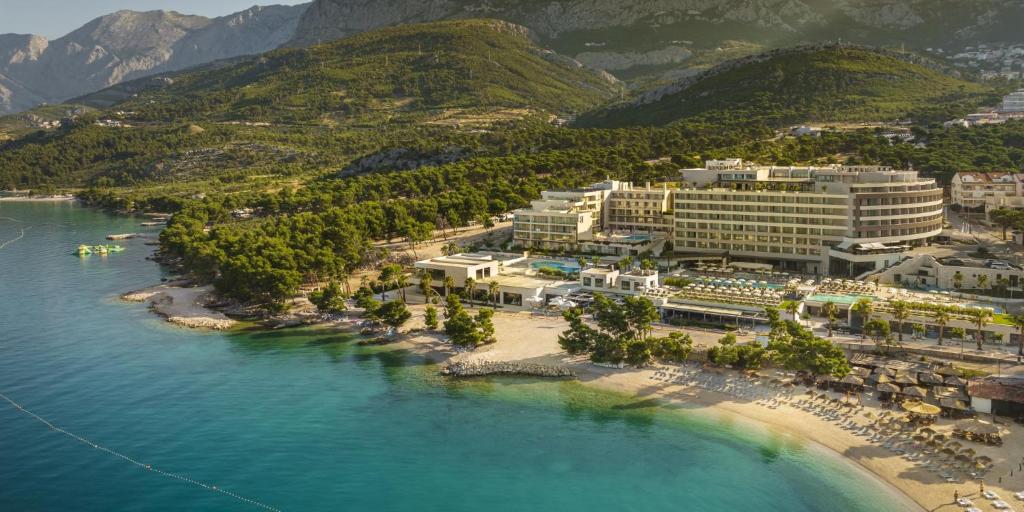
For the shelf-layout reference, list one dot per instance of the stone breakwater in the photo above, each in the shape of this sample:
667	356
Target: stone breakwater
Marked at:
482	368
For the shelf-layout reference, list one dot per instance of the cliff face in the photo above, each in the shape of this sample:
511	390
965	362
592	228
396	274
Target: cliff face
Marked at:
618	34
126	45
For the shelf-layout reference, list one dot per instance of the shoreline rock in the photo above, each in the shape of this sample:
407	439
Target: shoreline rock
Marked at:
484	368
182	305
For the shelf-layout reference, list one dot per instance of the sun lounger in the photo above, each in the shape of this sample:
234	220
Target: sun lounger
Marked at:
989	495
964	502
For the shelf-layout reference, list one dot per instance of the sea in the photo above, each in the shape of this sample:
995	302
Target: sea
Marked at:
106	407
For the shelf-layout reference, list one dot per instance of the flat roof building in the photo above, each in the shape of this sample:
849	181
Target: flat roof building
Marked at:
844	220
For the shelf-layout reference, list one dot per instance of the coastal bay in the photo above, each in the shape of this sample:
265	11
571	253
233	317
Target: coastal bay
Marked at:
305	419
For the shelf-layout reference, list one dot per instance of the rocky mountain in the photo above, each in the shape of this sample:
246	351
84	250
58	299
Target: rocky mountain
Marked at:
128	44
416	69
628	37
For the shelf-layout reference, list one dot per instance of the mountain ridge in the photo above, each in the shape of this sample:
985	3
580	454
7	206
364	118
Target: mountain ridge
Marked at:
814	83
131	44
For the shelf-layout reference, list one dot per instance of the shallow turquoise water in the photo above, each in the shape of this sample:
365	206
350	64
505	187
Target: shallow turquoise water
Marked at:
307	421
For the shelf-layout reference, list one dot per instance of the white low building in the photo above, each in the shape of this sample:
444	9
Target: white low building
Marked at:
952	273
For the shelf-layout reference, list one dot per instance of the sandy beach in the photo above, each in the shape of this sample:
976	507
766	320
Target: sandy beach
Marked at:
43	199
181	305
527	338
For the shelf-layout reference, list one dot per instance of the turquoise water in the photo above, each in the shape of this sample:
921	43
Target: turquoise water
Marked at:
305	420
564	266
838	299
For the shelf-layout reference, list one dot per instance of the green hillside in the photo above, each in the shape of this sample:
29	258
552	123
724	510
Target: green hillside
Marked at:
809	84
477	64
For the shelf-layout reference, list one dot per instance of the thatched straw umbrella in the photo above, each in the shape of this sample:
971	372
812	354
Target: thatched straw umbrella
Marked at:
930	378
860	372
905	379
947	371
879	379
977	427
953	380
915	391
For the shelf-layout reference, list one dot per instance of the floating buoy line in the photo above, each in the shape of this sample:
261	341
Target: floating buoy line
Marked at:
19	237
142	465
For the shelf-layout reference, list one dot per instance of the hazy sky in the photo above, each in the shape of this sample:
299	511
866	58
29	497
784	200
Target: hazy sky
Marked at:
54	18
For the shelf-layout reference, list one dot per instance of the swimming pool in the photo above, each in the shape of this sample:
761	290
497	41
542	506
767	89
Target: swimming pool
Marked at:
838	299
564	266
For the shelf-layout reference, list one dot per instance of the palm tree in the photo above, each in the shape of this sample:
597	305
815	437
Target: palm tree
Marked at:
958	280
982	281
468	289
792	307
648	264
449	285
900	312
626	264
831	311
980	317
863	308
941	318
581	261
1018	320
493	288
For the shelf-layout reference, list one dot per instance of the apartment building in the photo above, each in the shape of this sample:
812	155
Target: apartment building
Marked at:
842	220
988	190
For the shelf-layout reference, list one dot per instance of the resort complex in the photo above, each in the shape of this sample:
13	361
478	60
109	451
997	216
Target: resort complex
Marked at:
833	220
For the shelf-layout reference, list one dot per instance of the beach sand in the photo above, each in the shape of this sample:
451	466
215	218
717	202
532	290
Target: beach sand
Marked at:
525	337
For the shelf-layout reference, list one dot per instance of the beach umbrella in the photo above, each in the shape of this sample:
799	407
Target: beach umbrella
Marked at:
975	426
886	387
921	408
915	391
947	371
861	372
929	378
927	431
870	415
983	459
880	379
968	452
919	437
939	437
963	458
881	370
948	451
905	379
953	445
852	379
953	380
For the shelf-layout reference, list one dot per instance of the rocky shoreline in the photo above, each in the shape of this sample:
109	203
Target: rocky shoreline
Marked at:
182	305
484	368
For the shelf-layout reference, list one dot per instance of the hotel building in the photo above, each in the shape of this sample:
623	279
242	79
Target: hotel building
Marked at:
610	217
842	220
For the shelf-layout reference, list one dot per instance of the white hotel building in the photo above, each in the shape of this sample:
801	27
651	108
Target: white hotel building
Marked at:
841	220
